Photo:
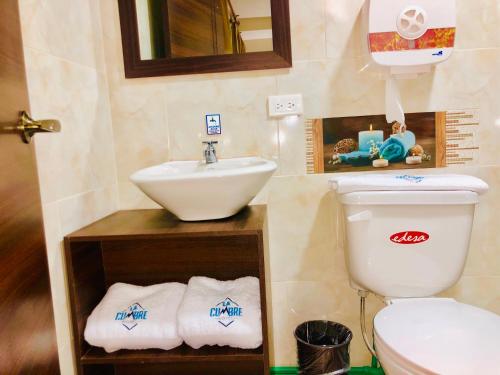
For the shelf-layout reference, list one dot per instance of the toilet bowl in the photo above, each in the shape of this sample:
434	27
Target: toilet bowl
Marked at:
437	336
407	239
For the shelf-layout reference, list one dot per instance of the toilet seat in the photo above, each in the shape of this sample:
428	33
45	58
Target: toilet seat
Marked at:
437	336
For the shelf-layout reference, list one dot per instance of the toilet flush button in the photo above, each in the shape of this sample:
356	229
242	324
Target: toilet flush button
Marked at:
412	22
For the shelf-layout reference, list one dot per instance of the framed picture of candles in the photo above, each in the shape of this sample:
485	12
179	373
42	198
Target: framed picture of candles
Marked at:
368	143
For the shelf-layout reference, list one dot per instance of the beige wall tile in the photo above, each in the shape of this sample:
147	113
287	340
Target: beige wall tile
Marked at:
81	156
113	53
344	36
282	350
483	292
292	153
83	209
55	256
141	135
476	24
307	19
242	104
335	88
457	83
301	225
483	259
64	60
68	30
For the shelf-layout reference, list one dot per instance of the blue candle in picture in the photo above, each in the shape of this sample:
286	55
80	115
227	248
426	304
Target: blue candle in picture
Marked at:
366	137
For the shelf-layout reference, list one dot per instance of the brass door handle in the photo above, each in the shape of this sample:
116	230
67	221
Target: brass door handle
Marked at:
29	127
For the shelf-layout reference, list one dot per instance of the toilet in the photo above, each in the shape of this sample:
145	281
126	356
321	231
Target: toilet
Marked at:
407	239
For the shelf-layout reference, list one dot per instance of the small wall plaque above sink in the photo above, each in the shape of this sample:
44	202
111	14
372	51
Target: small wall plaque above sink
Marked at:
196	191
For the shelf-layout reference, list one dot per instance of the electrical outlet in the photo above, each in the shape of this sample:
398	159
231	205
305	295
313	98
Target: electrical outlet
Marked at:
285	105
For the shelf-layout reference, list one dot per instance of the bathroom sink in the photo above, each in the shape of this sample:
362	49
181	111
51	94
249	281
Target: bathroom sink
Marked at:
195	191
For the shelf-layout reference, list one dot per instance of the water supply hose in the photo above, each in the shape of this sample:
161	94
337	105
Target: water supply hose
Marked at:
363	295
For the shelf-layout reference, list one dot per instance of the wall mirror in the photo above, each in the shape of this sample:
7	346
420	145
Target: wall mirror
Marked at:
173	37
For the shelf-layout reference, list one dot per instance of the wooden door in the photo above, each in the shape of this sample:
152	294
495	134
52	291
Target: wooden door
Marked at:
193	29
27	333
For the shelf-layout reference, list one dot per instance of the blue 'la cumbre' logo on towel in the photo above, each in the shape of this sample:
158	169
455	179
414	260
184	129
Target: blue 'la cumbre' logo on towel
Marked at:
131	317
226	312
415	179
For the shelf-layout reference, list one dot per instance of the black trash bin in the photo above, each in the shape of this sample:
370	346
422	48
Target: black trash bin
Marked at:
323	348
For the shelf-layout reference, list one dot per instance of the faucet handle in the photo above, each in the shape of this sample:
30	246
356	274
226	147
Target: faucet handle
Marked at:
210	143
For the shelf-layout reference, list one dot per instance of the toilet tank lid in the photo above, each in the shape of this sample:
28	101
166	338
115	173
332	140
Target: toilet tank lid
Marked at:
405	182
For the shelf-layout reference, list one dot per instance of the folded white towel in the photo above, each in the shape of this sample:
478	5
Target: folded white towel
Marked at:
136	317
221	313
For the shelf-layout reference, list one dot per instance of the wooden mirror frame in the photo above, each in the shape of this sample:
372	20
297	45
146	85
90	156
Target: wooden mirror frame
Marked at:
280	57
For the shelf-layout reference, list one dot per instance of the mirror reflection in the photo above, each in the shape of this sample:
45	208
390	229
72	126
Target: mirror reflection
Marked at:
189	28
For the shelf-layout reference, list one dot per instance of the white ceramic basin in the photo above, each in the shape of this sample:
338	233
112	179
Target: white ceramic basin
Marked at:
195	191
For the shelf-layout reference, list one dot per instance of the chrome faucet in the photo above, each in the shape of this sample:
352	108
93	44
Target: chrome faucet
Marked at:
210	153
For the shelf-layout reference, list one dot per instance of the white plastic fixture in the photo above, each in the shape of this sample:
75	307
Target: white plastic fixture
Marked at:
196	191
407	236
406	38
407	239
412	22
447	337
285	105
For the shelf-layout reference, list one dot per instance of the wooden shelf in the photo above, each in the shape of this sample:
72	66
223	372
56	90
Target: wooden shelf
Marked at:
154	223
183	353
145	247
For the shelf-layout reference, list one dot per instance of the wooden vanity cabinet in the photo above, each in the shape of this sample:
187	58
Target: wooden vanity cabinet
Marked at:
145	247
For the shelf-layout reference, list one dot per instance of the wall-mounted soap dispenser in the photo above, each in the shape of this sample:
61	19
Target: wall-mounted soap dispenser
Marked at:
407	37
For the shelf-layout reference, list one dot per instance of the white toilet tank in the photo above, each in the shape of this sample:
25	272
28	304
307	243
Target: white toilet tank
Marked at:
407	236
